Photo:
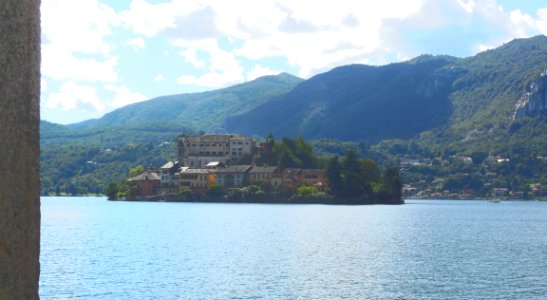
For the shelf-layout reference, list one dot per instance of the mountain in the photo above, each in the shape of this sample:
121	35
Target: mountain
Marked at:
359	102
465	99
198	111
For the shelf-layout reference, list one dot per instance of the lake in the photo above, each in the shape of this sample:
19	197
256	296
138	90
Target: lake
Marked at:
95	249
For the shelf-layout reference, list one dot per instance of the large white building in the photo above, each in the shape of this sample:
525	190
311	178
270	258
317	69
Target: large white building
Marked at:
198	151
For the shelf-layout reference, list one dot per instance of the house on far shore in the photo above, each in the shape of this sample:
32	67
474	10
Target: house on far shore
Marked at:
170	178
292	179
313	177
263	174
214	165
500	192
197	180
233	176
147	182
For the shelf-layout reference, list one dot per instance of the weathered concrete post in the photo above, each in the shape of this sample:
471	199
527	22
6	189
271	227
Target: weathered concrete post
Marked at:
19	148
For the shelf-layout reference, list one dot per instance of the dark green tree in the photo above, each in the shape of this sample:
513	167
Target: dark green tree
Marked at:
352	176
334	169
111	190
389	189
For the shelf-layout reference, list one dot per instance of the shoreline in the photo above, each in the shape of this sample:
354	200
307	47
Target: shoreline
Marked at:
262	201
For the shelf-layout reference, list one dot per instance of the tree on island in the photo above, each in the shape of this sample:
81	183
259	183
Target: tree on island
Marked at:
360	181
389	188
286	153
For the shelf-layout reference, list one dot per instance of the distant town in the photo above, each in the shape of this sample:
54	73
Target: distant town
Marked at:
464	177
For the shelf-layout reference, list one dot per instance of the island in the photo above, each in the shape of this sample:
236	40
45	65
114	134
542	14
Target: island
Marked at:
233	168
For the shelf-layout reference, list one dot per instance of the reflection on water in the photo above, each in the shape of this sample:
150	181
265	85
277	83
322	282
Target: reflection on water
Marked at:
95	249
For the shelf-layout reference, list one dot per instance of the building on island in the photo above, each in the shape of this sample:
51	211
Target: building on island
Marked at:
293	178
215	159
233	176
313	177
147	182
197	180
262	174
198	151
169	178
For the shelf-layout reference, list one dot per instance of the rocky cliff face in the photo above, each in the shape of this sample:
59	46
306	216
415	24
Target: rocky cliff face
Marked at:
534	101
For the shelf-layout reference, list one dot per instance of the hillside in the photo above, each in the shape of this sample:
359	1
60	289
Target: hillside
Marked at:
447	100
359	102
198	111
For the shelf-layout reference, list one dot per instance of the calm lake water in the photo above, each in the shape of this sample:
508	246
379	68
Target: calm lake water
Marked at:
95	249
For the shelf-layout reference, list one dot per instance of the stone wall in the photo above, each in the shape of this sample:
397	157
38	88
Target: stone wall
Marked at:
19	148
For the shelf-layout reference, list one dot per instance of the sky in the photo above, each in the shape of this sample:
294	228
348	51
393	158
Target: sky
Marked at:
100	55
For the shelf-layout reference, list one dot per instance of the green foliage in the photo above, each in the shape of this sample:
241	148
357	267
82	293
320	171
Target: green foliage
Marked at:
82	170
111	191
358	180
214	191
121	190
306	191
136	171
287	153
389	189
334	177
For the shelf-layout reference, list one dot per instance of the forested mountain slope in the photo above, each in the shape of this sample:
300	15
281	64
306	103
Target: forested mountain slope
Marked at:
198	111
444	99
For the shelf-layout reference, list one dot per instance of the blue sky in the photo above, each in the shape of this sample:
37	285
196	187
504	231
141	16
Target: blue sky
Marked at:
101	55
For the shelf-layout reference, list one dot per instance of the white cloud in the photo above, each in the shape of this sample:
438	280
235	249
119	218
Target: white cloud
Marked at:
223	67
72	96
311	35
123	96
159	77
259	71
190	56
137	43
62	65
73	41
77	26
525	25
151	19
468	5
542	22
483	47
330	34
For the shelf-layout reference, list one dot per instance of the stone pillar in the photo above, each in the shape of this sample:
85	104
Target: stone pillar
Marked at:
19	148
